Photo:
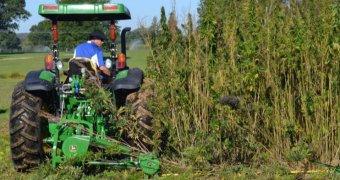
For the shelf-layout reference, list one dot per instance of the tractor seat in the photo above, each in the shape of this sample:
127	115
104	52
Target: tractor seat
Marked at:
76	64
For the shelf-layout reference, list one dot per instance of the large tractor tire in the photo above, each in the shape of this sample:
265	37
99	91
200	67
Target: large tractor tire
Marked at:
25	129
142	115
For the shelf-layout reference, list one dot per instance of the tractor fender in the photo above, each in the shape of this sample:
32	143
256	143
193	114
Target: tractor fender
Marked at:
132	81
40	80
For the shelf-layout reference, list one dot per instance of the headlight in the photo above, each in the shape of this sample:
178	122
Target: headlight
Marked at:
59	65
108	63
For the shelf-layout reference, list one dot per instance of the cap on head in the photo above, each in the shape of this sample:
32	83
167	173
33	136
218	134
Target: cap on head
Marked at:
97	35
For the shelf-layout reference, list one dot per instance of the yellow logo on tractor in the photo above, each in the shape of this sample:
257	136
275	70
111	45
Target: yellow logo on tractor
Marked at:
73	148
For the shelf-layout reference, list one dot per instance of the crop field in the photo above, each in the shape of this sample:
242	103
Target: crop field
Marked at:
251	91
13	68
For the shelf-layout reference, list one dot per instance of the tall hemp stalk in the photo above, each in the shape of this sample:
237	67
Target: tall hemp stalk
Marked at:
281	61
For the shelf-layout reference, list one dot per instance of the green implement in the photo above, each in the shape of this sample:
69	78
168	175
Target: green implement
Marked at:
334	168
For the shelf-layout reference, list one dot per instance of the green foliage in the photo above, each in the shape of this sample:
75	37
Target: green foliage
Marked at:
10	12
101	100
9	42
282	63
298	153
134	35
41	34
74	33
63	172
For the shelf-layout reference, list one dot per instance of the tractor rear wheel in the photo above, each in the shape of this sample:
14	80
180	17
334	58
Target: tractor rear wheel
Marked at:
25	129
143	116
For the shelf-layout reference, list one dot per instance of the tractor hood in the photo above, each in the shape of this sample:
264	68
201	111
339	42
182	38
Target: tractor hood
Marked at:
84	12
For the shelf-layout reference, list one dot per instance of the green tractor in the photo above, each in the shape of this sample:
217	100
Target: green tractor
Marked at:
56	120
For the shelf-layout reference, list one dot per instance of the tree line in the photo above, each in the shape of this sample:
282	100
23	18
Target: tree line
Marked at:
40	35
11	11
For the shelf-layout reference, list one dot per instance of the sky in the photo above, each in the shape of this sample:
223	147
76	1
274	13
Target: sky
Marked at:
142	11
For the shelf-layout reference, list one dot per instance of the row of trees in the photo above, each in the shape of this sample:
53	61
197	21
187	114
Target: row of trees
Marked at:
72	33
9	42
11	11
40	35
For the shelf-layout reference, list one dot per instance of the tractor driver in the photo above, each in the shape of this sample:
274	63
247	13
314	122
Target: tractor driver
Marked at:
91	50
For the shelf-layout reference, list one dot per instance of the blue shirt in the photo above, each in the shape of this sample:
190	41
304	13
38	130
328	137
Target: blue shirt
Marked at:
90	50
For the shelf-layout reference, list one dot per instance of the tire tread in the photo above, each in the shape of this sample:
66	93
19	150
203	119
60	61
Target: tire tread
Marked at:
25	130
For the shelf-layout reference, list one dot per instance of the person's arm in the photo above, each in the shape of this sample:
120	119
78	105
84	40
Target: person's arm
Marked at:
101	64
105	70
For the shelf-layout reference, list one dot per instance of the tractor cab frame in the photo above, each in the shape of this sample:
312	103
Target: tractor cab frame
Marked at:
87	12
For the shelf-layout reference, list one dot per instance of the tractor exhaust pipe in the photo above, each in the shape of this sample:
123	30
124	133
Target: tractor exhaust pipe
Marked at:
123	40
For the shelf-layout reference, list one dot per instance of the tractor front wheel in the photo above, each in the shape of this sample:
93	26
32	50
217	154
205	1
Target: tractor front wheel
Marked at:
25	129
